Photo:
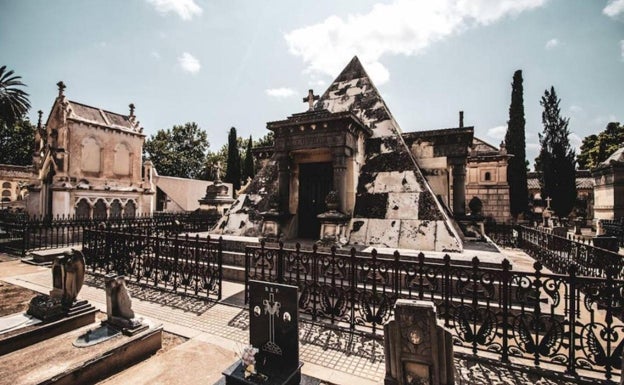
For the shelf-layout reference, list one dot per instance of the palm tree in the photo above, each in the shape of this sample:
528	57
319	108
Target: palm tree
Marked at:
13	101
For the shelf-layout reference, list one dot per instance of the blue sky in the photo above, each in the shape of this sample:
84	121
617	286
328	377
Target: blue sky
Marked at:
243	63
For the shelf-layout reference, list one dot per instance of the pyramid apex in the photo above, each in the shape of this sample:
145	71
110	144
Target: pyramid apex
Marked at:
353	70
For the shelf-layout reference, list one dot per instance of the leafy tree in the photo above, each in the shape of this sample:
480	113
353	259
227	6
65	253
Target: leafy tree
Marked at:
516	145
209	172
583	158
179	151
248	165
266	141
233	173
556	157
17	142
13	101
597	148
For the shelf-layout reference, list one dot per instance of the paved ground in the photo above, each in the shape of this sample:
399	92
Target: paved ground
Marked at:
218	330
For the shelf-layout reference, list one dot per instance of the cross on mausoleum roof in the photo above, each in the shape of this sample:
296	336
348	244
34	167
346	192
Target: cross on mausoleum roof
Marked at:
310	99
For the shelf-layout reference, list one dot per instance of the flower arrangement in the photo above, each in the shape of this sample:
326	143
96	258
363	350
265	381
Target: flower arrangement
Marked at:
248	358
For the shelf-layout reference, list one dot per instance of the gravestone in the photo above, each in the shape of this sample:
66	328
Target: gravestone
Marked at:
119	306
418	349
68	273
274	331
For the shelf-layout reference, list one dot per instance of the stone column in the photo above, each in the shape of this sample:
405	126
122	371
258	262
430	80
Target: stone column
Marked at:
339	163
459	189
283	169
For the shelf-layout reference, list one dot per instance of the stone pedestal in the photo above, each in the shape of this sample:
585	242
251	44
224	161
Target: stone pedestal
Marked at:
334	226
217	199
418	349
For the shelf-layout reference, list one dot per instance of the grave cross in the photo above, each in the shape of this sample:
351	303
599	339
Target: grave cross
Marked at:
548	202
310	99
61	87
271	307
217	169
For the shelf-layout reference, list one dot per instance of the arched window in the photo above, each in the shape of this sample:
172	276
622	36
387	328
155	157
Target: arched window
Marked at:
83	210
90	156
488	176
130	210
121	165
99	209
115	209
6	193
6	185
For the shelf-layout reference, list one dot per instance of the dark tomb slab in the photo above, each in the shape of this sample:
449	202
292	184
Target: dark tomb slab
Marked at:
274	331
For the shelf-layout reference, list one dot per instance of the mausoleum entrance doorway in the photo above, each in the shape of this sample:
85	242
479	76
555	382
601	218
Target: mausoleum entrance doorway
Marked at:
315	182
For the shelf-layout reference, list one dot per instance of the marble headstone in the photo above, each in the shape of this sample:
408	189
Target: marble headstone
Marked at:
68	273
119	306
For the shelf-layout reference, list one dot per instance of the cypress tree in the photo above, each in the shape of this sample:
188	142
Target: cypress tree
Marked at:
556	158
248	165
516	146
233	171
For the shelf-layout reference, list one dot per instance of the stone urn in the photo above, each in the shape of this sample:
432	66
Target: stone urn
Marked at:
332	201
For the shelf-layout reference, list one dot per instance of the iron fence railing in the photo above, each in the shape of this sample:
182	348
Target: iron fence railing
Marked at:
37	233
614	228
559	253
565	320
179	264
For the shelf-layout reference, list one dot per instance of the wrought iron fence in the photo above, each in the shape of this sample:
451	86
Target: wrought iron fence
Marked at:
614	228
559	253
180	264
37	233
560	319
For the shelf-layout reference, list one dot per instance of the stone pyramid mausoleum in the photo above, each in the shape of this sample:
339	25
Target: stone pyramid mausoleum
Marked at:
347	142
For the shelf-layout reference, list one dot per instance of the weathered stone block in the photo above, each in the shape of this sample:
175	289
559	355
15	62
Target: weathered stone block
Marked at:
395	181
402	206
358	229
383	232
417	234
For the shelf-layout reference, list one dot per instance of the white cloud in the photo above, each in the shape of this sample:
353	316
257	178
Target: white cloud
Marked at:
155	55
282	92
575	141
614	8
186	9
533	146
574	109
403	27
497	132
189	63
552	43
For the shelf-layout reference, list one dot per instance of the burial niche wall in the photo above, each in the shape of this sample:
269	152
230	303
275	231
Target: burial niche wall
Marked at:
90	157
121	162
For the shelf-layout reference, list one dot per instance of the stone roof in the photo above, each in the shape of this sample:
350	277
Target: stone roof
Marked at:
616	157
480	146
186	193
584	180
93	115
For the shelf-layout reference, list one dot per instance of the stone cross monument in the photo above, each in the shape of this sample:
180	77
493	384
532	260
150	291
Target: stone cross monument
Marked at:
310	99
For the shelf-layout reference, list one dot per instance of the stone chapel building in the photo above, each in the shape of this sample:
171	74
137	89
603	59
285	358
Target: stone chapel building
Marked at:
88	163
348	142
